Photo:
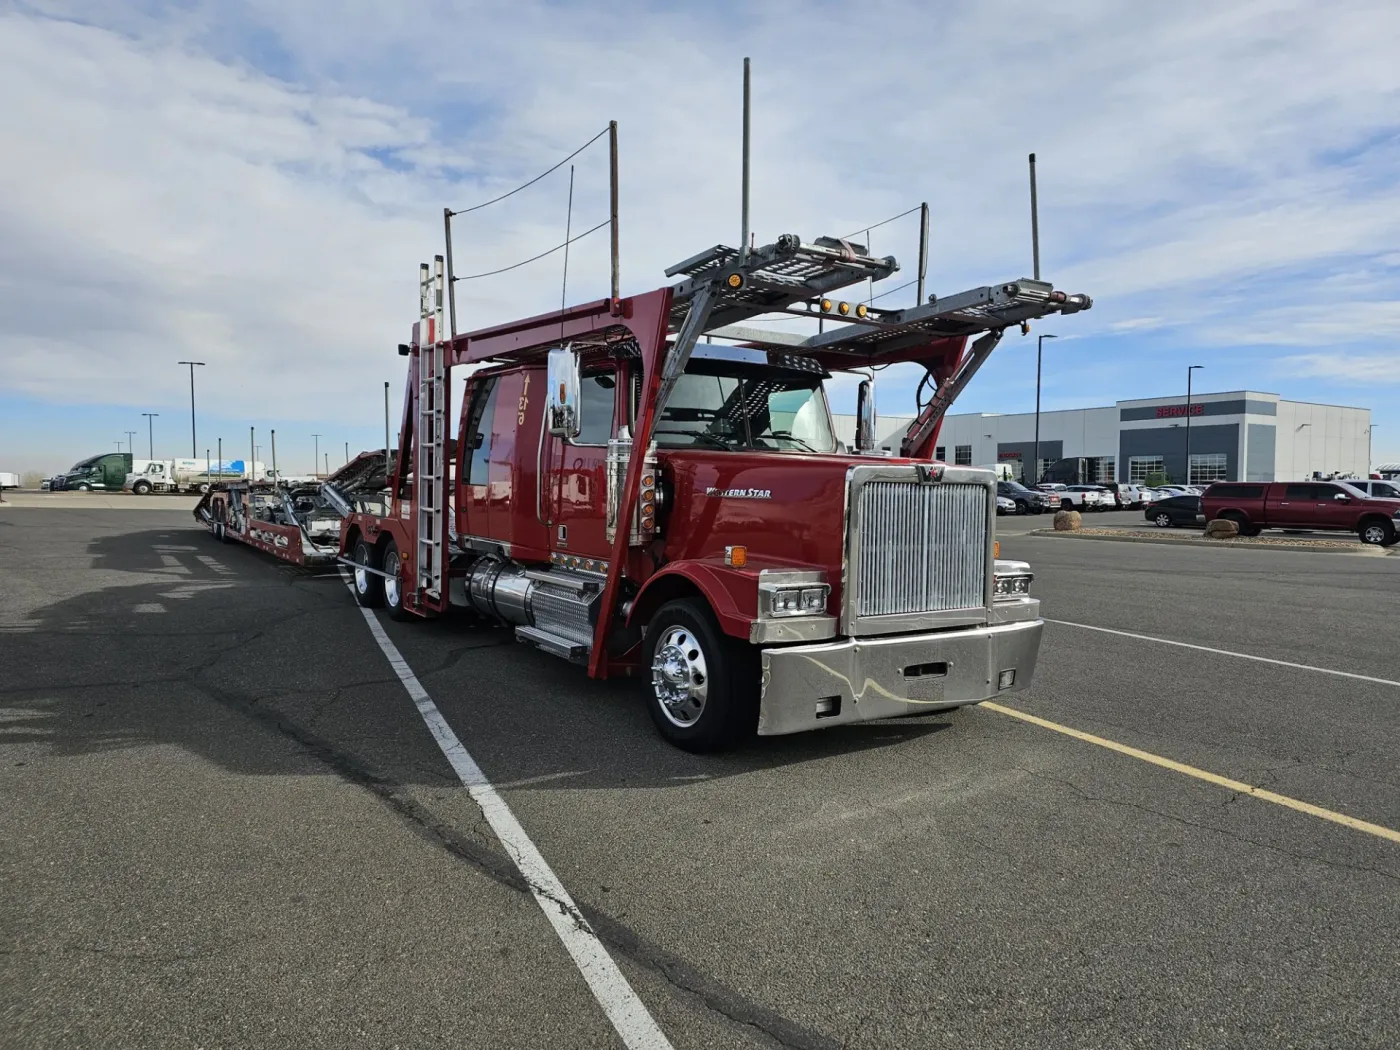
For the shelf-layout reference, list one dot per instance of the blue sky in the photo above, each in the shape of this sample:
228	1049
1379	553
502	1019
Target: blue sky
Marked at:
253	185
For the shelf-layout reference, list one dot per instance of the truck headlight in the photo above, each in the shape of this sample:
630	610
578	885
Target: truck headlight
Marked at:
1012	580
801	598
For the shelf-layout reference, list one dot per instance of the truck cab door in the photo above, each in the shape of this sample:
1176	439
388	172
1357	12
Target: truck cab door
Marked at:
576	471
1298	506
1336	507
496	490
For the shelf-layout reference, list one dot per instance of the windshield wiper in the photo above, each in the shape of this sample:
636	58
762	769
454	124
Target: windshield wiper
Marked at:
699	435
789	436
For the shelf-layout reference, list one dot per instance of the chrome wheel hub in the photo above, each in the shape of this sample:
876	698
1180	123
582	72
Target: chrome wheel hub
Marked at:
391	584
361	581
680	676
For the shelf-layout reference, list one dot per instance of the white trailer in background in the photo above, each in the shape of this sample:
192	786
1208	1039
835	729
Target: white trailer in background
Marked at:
8	480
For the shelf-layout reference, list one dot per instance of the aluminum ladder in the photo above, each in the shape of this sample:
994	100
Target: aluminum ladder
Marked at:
430	467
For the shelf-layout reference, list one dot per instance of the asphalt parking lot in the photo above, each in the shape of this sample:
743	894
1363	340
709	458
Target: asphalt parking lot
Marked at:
227	825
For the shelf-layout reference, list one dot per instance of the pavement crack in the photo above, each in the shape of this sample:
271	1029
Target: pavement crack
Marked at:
1085	796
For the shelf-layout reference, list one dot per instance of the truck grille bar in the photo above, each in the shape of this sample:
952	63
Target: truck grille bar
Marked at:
920	548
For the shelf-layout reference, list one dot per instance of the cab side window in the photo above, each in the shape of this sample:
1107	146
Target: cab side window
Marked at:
596	406
478	433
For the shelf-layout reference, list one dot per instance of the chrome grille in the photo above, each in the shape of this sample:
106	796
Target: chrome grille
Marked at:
920	548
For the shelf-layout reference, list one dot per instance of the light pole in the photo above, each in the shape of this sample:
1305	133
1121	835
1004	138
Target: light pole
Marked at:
1368	447
150	434
1188	420
1035	456
194	451
131	441
316	457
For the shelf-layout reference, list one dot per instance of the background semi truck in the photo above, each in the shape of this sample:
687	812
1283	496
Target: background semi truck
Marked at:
101	473
188	475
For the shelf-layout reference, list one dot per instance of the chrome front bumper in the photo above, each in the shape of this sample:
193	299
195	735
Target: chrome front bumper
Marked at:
860	679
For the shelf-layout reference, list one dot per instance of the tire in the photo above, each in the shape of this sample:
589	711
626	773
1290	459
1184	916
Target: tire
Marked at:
202	489
1022	507
1067	504
368	588
1377	533
391	563
702	692
84	487
1162	520
141	488
1246	529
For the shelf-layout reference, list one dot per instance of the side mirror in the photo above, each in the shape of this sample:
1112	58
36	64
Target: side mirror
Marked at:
865	416
561	406
1342	497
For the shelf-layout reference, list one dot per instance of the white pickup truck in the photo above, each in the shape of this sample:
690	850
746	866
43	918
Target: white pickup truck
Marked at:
1078	497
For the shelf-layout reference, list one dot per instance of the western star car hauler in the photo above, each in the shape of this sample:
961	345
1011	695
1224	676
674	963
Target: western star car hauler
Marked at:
646	504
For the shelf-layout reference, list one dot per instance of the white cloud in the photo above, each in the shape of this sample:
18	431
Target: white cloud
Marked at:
1345	368
175	200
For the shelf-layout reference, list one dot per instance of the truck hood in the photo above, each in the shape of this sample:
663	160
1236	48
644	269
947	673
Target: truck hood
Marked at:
785	508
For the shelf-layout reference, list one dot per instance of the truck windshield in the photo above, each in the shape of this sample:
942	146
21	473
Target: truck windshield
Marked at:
746	409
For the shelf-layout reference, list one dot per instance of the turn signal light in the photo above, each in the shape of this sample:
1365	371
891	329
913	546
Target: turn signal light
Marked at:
737	557
843	308
826	304
736	280
862	309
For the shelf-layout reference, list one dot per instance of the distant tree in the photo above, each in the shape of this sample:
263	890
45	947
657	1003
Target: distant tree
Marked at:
1157	480
31	479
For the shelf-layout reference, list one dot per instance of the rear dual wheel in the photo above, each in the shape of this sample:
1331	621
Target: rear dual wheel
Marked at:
368	586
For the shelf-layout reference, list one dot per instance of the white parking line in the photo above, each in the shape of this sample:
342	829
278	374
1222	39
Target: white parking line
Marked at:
1227	652
625	1010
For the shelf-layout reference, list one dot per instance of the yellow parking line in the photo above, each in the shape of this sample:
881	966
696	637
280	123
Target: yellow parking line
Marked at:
1201	774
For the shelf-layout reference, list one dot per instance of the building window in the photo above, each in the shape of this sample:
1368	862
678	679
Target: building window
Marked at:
1208	467
1106	471
962	455
1140	468
940	454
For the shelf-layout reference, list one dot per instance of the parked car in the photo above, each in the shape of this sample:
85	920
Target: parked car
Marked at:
1027	501
1174	511
1006	505
1322	505
1375	489
1091	497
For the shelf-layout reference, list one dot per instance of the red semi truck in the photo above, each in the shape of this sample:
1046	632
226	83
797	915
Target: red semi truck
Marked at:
628	494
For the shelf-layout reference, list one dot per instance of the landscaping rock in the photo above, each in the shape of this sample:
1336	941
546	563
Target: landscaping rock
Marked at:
1067	521
1220	529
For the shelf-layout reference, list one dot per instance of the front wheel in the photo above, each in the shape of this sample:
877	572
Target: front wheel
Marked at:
1022	507
1377	533
1163	521
84	487
141	488
703	688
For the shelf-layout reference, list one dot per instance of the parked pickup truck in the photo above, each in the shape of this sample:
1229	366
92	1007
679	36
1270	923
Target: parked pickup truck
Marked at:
1304	505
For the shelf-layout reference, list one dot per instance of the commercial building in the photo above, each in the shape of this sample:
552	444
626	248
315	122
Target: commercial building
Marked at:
1240	435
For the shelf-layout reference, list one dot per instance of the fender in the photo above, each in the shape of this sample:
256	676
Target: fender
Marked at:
732	593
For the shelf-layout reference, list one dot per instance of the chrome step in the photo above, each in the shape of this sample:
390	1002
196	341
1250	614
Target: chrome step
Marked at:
552	643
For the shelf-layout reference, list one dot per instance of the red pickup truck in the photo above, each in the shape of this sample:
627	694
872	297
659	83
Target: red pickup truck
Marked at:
1304	505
